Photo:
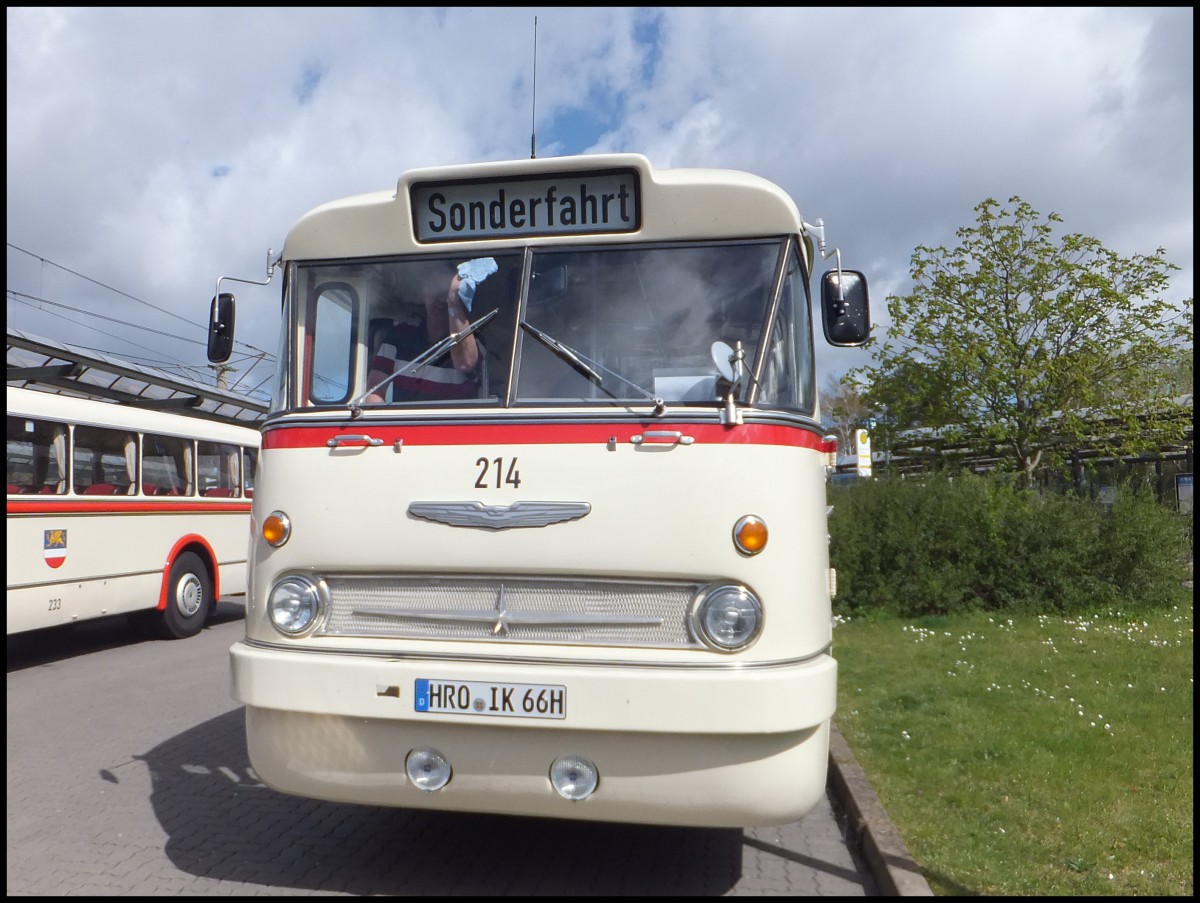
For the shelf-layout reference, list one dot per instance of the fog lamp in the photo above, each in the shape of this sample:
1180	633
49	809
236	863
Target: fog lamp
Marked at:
428	769
574	777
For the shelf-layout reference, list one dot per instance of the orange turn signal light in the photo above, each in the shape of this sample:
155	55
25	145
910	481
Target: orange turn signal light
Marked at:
276	528
750	534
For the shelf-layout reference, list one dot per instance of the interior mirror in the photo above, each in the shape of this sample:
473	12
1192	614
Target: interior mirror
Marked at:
220	328
845	308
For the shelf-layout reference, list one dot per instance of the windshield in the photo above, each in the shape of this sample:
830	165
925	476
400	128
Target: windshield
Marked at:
604	325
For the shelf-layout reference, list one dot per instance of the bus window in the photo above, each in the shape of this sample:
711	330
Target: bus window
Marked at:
37	454
249	467
644	320
105	461
787	379
164	465
219	470
394	313
335	304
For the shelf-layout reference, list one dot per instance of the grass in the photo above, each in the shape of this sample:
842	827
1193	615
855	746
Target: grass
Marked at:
1041	755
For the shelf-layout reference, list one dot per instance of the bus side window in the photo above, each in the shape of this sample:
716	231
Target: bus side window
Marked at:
787	375
249	467
85	459
104	458
37	457
21	456
331	327
219	470
164	465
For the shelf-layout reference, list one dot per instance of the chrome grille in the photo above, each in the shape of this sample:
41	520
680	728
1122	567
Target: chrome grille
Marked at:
512	609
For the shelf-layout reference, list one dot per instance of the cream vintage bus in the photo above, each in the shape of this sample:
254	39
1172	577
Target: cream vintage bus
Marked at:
541	522
114	509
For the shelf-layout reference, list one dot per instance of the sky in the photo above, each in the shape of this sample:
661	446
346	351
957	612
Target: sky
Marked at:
151	151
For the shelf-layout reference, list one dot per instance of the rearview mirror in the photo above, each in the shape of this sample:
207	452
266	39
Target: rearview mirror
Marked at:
220	328
845	308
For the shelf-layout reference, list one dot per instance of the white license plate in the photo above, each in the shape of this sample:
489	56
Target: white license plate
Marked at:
472	697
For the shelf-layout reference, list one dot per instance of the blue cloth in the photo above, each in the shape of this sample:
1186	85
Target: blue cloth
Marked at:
470	274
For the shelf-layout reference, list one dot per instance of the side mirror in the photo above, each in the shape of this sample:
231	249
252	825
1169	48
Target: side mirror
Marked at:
220	328
845	308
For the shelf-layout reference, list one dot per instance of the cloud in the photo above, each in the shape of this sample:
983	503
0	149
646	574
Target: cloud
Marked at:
153	150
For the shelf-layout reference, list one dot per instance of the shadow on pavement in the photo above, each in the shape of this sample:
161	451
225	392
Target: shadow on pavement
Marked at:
54	644
223	824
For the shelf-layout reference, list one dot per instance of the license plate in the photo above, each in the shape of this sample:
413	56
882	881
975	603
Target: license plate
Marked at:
471	697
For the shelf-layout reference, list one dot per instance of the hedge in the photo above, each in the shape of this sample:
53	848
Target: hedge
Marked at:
945	544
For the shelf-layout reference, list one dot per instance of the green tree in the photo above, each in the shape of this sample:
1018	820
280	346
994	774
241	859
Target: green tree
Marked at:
843	410
1025	348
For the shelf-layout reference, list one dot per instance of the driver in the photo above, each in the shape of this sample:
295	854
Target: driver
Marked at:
401	342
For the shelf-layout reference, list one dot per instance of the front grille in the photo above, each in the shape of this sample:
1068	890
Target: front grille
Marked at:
513	609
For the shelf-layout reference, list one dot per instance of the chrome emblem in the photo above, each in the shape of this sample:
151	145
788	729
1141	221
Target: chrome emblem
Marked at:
499	517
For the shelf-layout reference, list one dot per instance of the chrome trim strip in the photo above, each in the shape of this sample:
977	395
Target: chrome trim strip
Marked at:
499	517
539	415
507	616
544	662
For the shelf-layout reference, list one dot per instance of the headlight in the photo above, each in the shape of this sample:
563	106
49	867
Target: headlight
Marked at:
727	618
295	605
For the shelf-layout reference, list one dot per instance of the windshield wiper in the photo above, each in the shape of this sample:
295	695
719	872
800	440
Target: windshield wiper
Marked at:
586	366
432	353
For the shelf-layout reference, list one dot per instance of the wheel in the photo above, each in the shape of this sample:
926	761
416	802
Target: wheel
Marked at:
189	599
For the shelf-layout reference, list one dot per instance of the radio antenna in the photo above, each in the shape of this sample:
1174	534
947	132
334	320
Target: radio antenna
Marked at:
533	124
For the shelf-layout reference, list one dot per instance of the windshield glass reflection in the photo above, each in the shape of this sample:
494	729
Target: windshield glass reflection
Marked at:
610	325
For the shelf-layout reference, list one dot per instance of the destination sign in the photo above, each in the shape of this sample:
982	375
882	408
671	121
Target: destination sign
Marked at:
564	204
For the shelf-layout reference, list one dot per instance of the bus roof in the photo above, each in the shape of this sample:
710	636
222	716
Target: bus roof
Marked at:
92	412
675	205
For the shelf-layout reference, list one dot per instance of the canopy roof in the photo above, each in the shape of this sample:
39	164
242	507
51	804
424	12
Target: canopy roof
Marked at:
43	365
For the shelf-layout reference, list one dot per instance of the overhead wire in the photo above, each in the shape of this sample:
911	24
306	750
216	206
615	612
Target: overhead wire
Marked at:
257	355
124	294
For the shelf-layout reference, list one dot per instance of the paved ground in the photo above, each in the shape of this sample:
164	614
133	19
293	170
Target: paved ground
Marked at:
127	774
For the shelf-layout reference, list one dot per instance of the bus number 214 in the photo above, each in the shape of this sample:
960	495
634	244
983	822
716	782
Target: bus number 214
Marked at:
512	476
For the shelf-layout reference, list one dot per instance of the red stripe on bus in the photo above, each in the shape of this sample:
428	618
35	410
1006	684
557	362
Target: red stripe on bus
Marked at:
539	434
51	506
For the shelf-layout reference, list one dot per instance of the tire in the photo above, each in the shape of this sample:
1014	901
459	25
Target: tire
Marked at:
189	599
